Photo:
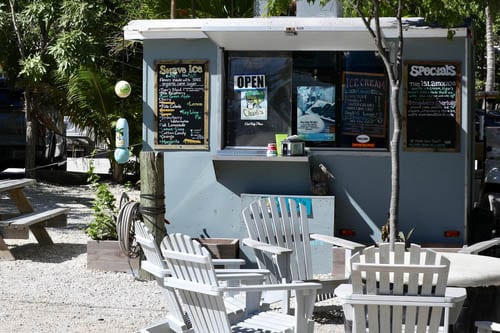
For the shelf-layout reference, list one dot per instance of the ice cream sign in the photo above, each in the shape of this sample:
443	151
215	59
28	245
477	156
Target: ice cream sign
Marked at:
253	96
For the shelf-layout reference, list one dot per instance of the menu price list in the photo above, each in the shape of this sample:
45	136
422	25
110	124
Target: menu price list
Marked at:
181	104
364	104
432	106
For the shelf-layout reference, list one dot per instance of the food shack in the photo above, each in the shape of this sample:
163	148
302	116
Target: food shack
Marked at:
217	92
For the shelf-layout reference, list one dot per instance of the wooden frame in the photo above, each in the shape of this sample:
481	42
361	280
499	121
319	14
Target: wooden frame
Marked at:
365	92
181	104
432	106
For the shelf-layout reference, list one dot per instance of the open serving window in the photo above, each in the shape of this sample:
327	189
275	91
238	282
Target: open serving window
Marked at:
330	99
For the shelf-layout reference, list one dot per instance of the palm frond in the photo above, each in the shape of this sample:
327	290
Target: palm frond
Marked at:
92	100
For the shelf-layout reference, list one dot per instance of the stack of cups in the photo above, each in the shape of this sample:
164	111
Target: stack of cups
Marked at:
271	150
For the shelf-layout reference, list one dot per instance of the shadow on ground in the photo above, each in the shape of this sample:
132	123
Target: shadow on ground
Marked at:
55	253
334	315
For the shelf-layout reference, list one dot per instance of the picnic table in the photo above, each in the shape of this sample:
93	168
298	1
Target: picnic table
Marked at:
18	225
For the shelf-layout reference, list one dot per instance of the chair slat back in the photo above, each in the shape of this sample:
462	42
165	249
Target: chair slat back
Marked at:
155	264
148	245
193	276
397	291
277	221
256	222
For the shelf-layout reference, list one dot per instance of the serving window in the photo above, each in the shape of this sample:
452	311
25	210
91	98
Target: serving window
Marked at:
329	99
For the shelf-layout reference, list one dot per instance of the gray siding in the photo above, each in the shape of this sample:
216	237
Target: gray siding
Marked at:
434	186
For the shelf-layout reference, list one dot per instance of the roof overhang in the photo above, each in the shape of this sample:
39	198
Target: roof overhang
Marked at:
281	33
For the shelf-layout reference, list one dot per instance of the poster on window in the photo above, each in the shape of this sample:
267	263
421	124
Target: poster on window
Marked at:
253	96
316	113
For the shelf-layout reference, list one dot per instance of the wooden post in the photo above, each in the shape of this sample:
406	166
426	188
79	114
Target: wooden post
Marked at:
153	195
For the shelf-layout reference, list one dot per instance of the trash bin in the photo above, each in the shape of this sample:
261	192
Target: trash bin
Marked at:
221	248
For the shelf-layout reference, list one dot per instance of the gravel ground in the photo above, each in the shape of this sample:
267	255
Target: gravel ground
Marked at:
49	288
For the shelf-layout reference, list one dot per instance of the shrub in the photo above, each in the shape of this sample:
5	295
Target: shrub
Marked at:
103	225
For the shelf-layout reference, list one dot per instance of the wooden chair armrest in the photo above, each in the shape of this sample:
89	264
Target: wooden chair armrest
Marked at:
487	326
480	246
229	263
243	276
222	271
344	291
452	294
265	247
271	287
455	294
155	270
340	242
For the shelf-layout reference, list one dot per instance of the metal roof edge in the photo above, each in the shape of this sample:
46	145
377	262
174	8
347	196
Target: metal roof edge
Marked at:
196	28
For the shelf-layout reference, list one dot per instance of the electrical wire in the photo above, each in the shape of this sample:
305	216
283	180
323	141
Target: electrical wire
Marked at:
91	156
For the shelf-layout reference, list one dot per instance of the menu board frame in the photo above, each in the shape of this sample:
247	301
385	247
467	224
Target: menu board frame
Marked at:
185	70
364	93
434	74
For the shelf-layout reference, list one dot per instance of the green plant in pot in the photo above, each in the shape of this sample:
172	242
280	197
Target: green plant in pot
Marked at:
104	250
401	237
103	225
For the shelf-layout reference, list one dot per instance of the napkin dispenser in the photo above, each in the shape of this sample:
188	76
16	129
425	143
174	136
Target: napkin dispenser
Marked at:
292	147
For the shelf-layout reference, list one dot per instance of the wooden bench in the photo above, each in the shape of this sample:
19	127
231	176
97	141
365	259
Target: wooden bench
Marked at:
18	227
13	184
27	220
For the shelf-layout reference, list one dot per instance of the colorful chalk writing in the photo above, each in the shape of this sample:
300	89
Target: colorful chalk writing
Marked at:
181	104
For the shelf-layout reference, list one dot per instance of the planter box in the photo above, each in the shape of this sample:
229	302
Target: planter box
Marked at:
107	256
221	248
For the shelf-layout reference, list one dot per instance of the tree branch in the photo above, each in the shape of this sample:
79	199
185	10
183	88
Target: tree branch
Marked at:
20	44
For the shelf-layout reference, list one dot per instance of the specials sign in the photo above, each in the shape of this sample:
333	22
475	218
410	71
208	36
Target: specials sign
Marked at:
431	106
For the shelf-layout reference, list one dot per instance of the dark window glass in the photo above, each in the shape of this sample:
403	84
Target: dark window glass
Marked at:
330	99
258	98
315	92
364	102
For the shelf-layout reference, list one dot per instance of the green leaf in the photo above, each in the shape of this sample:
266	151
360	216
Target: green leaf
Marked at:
33	68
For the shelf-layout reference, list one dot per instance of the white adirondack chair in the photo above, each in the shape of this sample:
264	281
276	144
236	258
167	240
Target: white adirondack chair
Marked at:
280	239
487	326
478	247
399	291
176	320
201	293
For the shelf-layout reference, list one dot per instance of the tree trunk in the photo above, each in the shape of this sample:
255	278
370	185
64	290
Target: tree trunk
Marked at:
395	143
490	52
31	135
172	9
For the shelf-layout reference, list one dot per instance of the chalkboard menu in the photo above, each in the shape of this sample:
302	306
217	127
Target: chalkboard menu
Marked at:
364	108
431	106
181	110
